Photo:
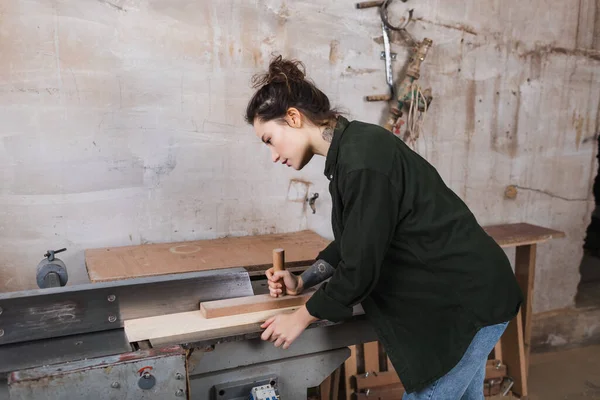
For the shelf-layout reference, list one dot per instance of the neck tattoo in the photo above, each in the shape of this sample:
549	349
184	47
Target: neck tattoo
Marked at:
328	134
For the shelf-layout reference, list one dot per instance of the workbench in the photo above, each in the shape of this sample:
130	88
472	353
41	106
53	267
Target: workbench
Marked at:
69	342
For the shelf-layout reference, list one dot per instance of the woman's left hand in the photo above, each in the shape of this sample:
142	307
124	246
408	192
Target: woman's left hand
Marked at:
283	329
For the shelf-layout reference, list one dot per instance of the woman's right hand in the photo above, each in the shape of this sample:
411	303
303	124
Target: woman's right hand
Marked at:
276	279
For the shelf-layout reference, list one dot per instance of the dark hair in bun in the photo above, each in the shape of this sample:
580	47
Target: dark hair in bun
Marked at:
284	86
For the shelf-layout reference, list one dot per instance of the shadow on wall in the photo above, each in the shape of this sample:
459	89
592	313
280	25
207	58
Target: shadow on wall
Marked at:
588	291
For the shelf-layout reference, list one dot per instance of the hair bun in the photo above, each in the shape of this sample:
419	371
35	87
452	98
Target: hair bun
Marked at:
281	71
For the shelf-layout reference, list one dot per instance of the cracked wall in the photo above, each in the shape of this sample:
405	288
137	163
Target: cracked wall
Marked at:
122	120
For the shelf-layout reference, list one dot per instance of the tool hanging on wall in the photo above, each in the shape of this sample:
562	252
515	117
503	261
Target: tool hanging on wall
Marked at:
407	95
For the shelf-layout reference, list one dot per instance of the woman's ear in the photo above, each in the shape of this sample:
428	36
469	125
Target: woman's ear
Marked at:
293	118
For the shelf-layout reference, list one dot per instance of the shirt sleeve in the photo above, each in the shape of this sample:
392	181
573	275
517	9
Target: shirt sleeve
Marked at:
330	254
370	215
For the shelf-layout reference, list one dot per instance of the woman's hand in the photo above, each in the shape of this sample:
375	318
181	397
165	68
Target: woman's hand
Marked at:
293	284
283	329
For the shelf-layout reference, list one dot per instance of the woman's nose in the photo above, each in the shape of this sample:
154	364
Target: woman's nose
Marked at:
274	155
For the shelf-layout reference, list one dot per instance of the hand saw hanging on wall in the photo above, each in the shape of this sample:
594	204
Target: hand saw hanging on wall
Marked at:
407	95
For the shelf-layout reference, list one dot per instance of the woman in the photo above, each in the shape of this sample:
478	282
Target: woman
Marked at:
437	289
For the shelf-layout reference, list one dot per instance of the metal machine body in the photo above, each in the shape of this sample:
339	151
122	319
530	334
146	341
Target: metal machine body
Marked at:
69	342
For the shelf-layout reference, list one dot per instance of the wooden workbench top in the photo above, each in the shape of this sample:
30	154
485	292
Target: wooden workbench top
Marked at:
510	235
251	252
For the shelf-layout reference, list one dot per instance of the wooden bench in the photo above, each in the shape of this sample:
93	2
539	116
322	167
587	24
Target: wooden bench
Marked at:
255	254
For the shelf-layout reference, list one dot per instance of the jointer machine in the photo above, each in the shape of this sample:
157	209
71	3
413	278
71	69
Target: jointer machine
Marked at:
67	342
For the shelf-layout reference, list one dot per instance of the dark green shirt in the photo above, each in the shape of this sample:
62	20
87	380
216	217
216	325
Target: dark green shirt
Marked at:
408	248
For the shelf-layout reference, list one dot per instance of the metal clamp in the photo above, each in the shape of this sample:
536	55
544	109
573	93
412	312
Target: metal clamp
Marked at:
51	271
507	384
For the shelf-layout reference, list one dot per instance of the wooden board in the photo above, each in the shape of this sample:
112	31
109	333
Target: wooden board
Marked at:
193	326
113	263
250	304
508	235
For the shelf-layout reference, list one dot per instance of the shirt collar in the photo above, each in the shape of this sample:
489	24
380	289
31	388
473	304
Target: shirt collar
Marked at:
332	153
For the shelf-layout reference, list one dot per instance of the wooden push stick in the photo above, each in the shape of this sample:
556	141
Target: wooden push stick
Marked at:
279	265
278	259
251	304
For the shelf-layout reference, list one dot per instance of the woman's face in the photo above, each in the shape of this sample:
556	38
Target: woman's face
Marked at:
288	145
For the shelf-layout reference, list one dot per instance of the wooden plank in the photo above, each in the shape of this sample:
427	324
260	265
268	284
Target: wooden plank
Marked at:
371	354
192	326
391	392
329	389
250	304
106	264
325	388
513	354
373	380
349	372
508	235
494	369
335	390
525	274
498	350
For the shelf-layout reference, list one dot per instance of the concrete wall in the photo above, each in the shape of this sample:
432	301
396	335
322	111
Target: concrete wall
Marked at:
122	122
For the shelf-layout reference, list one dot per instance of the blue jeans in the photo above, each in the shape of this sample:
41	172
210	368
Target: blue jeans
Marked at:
465	380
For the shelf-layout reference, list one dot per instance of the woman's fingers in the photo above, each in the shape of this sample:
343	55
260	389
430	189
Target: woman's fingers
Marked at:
266	335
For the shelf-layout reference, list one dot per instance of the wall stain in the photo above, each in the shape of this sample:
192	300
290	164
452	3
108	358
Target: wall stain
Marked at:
513	139
113	5
395	38
470	110
536	66
548	49
470	101
298	192
459	27
578	22
283	14
359	71
257	57
578	122
495	108
334	52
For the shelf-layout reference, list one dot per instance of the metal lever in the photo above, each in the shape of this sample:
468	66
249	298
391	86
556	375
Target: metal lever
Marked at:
50	253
